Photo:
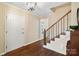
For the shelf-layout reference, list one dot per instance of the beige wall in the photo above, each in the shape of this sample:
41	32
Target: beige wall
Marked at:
32	29
58	13
74	6
31	24
2	28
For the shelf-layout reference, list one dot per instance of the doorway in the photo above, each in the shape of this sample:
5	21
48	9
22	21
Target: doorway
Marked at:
43	25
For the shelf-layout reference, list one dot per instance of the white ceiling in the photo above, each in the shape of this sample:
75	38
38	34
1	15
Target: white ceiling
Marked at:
42	9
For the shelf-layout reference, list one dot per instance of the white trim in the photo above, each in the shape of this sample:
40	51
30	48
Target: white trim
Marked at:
20	47
5	35
2	53
31	42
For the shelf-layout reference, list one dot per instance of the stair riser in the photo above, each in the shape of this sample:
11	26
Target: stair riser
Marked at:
59	45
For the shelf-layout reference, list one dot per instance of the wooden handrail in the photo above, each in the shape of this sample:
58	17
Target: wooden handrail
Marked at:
58	20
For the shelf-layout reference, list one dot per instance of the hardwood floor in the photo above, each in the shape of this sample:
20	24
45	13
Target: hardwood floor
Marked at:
34	49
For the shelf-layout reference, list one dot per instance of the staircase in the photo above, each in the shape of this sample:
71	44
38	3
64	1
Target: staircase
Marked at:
57	35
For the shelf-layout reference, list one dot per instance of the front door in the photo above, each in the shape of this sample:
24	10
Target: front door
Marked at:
43	25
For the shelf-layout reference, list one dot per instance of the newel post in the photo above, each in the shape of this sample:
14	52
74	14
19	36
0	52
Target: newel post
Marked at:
45	37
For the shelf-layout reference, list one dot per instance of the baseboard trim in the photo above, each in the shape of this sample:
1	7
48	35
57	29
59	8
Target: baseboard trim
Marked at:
2	53
31	42
20	47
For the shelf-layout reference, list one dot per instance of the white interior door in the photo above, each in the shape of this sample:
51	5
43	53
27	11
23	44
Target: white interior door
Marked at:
14	31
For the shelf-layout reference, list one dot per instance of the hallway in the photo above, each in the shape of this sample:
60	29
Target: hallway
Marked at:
22	29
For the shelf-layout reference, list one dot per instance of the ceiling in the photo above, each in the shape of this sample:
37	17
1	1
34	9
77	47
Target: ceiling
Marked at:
42	9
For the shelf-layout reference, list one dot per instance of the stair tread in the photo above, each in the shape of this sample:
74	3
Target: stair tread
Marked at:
57	45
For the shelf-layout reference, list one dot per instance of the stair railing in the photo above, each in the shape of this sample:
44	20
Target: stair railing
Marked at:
57	28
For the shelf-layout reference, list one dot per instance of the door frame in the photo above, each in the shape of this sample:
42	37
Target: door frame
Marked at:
44	24
6	36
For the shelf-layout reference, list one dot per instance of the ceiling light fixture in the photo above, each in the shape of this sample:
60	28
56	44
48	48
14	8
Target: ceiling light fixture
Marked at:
31	6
